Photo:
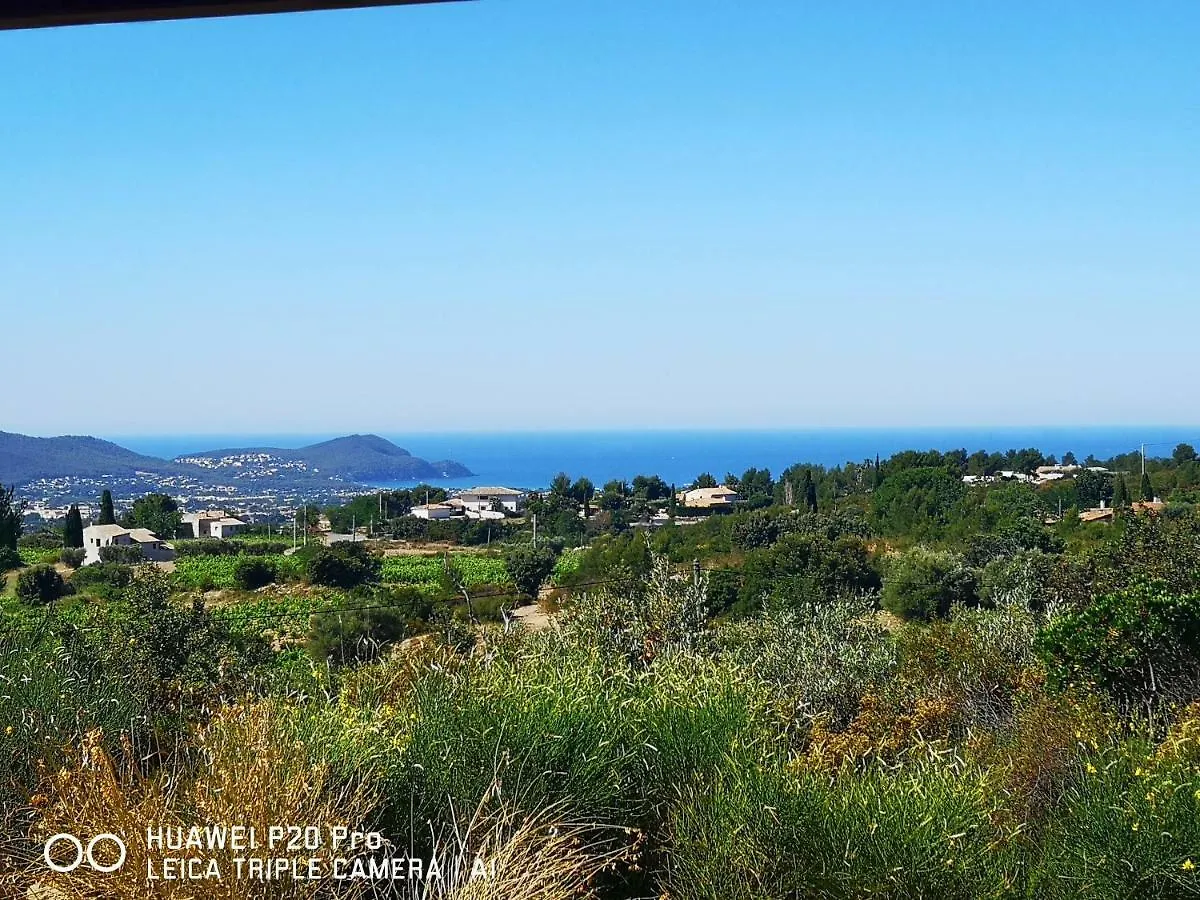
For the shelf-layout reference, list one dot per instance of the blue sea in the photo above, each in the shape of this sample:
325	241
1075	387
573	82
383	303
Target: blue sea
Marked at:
532	459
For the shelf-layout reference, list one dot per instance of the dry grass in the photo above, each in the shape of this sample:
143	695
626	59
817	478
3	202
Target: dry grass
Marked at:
242	774
527	857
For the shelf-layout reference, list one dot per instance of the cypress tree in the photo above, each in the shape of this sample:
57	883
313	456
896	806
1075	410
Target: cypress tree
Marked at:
107	515
73	528
1147	487
810	491
1120	493
878	472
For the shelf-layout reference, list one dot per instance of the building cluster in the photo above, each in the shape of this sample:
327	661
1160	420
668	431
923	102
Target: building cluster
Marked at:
1041	475
97	537
479	503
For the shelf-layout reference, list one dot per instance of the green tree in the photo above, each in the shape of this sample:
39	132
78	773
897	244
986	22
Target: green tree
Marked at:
704	480
40	584
917	502
12	511
254	572
810	491
1069	459
1120	493
108	515
158	513
651	487
1183	453
73	528
530	566
346	564
1142	645
1147	487
923	584
560	485
582	491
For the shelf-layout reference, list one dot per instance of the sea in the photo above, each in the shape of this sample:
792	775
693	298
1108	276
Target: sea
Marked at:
529	460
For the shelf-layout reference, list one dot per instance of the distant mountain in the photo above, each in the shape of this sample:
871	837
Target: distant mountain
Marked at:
365	458
359	458
24	459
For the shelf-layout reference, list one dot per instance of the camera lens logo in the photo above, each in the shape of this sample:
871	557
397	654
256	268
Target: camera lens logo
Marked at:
80	852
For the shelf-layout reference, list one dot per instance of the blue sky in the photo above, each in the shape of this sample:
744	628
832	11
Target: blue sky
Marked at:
547	214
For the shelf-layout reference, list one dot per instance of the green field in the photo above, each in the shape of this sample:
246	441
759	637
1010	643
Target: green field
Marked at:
200	572
427	570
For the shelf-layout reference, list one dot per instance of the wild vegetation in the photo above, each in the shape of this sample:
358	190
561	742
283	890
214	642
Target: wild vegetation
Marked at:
876	684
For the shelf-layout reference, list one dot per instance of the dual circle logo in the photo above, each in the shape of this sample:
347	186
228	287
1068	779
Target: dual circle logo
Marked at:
79	852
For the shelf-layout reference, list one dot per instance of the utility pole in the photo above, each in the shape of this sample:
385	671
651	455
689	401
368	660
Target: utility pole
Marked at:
305	524
295	519
1143	459
535	529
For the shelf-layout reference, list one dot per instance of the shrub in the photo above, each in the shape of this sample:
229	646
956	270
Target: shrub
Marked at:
1141	645
9	559
40	584
41	540
923	584
343	565
529	567
126	554
104	580
72	557
807	567
254	572
354	636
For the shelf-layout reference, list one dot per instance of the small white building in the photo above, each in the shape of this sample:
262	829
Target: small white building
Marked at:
95	537
213	523
719	497
432	511
482	499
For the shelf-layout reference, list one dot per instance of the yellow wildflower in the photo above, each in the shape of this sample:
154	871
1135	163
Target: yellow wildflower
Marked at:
1188	865
1091	769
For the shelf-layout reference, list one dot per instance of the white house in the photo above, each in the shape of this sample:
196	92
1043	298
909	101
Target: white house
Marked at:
481	499
154	549
719	497
432	511
214	523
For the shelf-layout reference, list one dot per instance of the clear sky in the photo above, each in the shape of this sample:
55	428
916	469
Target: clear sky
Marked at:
604	213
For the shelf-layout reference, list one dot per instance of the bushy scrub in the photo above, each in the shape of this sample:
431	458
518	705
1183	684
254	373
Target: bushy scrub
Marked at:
344	565
72	557
923	584
364	630
254	572
1142	645
760	831
1129	826
104	580
40	585
124	554
816	660
10	559
806	567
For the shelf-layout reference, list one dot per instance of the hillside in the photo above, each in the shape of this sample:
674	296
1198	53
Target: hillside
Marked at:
357	457
354	459
24	459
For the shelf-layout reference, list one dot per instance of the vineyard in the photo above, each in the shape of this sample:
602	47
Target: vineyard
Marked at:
32	556
567	565
205	572
426	571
